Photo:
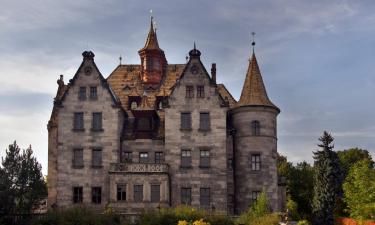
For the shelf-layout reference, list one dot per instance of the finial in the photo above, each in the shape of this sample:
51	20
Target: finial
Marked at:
194	46
120	58
253	43
152	19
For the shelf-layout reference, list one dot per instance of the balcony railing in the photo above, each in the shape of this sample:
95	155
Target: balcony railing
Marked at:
139	167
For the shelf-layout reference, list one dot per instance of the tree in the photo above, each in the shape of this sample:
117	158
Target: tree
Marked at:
327	180
350	156
22	186
359	190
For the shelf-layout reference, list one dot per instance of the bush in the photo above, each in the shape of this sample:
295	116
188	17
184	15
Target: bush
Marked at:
303	222
268	219
293	209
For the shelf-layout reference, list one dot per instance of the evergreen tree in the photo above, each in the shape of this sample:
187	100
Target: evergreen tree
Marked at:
327	181
22	186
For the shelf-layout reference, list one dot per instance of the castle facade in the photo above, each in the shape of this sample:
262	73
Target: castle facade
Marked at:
161	135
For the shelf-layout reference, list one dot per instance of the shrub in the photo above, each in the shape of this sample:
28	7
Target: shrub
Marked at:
303	222
260	208
268	219
293	209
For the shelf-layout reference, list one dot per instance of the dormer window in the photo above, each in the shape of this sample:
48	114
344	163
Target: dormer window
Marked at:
133	105
255	128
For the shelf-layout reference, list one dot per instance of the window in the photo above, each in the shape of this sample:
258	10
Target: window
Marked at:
255	162
143	157
255	128
186	196
138	193
78	121
133	105
155	193
128	157
97	157
82	93
159	157
230	163
254	195
185	158
121	192
97	121
204	121
189	91
160	104
78	158
186	120
205	197
93	93
204	158
96	194
77	195
200	91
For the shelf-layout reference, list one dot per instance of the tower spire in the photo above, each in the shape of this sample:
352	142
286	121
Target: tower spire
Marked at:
253	42
254	92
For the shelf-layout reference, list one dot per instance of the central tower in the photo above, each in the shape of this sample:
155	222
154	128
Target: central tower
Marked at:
153	61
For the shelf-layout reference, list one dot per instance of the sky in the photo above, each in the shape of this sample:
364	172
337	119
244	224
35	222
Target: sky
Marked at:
316	58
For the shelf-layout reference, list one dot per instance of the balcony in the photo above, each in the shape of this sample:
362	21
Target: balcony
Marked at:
138	168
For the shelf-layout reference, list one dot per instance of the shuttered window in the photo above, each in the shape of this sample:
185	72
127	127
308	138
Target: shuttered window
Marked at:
204	121
186	120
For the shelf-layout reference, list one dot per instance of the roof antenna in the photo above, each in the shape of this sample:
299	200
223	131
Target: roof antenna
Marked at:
253	43
120	58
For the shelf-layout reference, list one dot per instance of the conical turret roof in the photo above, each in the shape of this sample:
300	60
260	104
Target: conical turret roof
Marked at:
254	91
152	39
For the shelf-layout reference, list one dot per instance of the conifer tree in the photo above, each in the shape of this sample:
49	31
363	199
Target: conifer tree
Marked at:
327	180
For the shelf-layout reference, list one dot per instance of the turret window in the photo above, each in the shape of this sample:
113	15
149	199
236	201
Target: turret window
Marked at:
255	128
255	162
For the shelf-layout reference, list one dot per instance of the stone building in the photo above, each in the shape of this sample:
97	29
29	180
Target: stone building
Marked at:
160	135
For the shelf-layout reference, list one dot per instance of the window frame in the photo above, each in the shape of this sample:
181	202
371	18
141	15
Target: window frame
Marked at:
185	125
200	91
141	159
189	91
186	159
121	192
255	162
186	195
93	92
77	197
159	157
96	195
74	160
204	158
139	191
95	164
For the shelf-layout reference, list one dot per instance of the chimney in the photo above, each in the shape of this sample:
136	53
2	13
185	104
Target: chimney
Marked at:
213	72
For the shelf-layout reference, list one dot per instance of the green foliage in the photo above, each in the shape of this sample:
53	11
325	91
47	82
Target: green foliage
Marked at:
327	180
21	181
79	216
350	156
259	208
359	190
303	222
292	209
268	219
171	216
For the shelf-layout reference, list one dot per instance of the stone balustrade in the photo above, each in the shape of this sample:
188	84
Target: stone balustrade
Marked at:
139	167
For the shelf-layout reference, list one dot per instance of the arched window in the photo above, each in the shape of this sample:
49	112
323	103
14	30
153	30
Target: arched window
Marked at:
133	105
255	128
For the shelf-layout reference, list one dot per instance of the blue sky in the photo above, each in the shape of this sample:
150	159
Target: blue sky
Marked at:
316	58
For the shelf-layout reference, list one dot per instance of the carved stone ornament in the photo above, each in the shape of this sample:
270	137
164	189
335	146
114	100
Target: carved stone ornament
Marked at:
194	69
88	70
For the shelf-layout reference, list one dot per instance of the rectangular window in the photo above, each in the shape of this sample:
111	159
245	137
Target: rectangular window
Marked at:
186	120
186	196
97	121
205	197
200	91
82	93
77	194
155	193
255	162
143	157
230	163
254	195
78	158
204	158
204	121
128	157
97	157
185	158
96	194
93	93
138	193
159	157
78	121
189	91
121	192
